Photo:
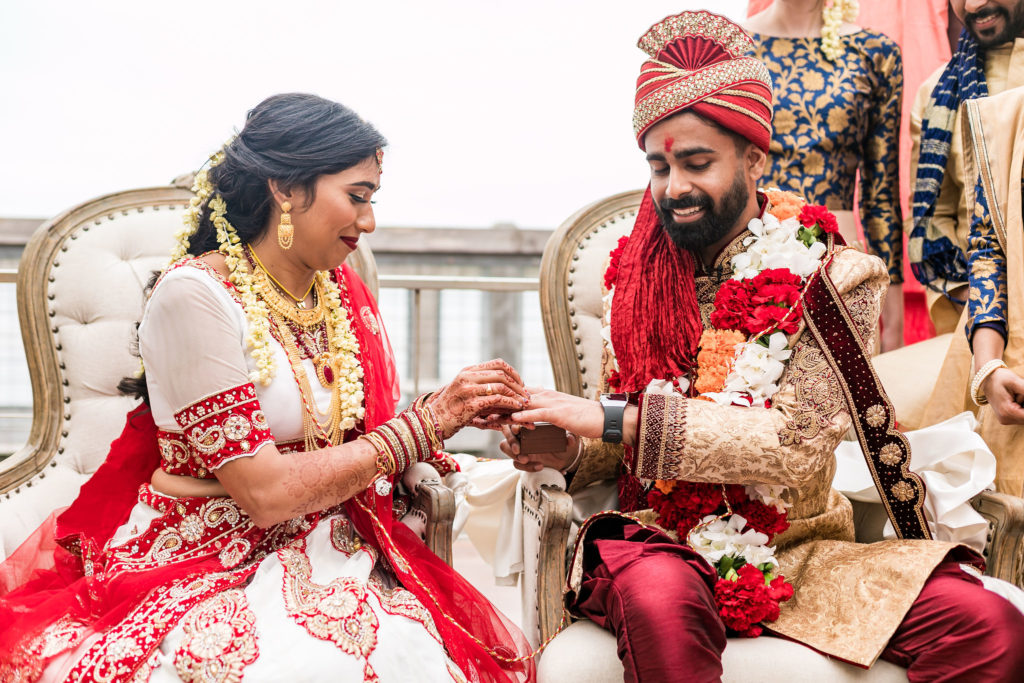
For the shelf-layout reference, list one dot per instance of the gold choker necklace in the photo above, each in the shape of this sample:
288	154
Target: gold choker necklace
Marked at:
303	317
300	301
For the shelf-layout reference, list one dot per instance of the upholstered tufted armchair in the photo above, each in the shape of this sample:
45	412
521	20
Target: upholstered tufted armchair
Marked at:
570	289
80	293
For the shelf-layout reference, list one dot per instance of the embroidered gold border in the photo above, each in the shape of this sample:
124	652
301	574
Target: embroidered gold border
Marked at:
698	24
979	149
698	86
906	476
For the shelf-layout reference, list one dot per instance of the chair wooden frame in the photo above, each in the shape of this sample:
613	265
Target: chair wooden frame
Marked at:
46	369
553	507
556	277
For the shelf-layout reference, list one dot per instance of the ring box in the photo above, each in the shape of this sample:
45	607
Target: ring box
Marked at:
543	438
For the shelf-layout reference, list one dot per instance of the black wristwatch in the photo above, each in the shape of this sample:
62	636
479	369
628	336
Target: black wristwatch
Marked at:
614	411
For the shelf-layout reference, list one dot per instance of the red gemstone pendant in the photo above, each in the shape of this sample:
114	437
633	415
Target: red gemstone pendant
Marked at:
324	369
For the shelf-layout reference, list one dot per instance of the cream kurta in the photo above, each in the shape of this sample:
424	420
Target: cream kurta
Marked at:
1004	68
993	150
849	597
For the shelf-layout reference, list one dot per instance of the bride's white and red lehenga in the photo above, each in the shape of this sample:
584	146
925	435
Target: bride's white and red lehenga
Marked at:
130	584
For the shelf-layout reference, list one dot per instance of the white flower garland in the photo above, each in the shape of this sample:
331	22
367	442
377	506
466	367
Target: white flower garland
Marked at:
345	348
833	15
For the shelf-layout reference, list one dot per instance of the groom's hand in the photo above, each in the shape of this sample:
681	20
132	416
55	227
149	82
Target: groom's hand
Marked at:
534	462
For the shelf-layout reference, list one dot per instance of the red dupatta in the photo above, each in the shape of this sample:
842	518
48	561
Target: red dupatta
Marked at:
51	574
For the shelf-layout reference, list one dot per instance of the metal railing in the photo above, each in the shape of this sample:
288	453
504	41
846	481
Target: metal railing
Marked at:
416	284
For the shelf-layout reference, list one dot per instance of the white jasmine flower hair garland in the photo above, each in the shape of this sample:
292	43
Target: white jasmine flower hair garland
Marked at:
834	14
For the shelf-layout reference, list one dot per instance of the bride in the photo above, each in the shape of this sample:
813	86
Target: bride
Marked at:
244	524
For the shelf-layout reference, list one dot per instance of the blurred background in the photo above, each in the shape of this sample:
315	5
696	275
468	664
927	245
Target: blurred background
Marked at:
503	119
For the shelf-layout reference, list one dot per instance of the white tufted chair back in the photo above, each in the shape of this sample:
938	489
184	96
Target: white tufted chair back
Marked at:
80	293
570	293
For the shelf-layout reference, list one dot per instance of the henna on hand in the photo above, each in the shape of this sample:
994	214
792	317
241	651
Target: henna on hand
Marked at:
477	391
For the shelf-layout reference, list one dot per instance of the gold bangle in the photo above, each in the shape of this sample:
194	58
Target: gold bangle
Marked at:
980	376
432	427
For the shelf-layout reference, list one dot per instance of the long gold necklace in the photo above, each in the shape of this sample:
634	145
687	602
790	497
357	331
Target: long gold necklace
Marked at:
337	366
329	424
299	301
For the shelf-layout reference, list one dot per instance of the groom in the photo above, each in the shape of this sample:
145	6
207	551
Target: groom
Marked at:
740	332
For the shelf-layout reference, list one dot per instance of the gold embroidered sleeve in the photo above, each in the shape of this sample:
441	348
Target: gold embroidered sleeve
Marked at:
786	444
600	461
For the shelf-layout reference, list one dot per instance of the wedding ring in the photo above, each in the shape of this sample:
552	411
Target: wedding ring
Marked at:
490	390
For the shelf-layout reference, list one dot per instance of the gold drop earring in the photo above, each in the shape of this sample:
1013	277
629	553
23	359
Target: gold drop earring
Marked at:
285	229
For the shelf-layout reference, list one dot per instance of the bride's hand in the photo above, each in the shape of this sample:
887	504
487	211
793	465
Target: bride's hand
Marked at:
489	388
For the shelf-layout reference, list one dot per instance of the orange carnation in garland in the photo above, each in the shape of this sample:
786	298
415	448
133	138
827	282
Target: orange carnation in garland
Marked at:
715	359
784	204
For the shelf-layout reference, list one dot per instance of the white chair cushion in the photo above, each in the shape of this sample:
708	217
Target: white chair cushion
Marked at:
587	653
23	512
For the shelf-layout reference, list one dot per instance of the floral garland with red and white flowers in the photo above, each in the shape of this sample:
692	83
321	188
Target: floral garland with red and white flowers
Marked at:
740	362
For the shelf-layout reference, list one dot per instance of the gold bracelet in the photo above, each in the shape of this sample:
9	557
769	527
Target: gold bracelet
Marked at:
980	376
431	426
385	462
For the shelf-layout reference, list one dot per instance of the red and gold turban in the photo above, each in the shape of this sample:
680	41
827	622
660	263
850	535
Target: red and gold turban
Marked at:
700	62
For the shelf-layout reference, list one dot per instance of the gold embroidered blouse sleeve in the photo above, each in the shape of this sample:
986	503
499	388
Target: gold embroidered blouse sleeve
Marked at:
786	444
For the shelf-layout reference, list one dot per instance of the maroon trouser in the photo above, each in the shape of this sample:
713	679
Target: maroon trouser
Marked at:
657	597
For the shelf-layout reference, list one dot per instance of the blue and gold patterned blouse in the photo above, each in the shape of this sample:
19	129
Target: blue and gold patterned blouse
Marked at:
986	264
832	119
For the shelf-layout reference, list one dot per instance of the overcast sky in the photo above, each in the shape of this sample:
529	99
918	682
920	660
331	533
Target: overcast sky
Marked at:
514	111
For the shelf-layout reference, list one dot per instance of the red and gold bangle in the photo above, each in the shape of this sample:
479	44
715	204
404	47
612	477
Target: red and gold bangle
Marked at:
393	435
419	435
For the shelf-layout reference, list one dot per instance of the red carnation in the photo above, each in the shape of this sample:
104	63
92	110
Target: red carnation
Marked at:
763	518
781	295
779	590
745	602
733	305
686	505
613	262
816	215
771	317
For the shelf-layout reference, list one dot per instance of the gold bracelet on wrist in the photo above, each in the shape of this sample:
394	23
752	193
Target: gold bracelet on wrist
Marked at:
977	395
385	462
432	427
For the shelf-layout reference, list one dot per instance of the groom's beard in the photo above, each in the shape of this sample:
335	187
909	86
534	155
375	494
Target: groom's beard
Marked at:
718	219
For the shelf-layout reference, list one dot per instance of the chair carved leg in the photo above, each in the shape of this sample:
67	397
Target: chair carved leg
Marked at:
553	507
437	503
1004	552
